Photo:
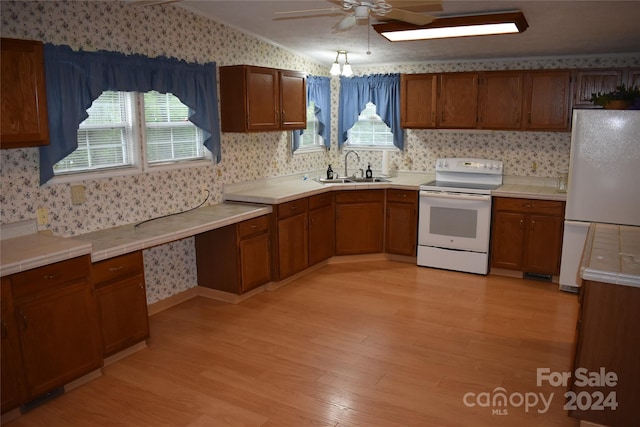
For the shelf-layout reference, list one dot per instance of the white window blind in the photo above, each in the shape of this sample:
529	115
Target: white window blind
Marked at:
370	130
170	136
104	137
310	137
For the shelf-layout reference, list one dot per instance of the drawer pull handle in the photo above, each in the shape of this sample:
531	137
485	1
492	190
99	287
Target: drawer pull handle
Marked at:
112	269
254	226
293	208
402	195
521	224
528	205
141	286
49	277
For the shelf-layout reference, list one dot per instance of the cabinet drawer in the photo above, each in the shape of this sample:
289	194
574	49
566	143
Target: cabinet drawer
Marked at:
288	209
320	200
402	196
50	277
253	226
358	196
545	207
128	265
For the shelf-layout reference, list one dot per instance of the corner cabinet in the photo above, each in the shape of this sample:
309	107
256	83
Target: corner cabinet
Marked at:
121	301
359	221
23	112
255	99
526	235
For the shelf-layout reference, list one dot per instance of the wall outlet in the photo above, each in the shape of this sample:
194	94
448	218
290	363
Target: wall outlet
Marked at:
219	172
78	195
43	216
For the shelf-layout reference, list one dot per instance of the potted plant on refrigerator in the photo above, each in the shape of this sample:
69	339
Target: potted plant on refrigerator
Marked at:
619	99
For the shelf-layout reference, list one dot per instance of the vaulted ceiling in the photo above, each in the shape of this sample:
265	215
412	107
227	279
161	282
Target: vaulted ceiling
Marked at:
555	28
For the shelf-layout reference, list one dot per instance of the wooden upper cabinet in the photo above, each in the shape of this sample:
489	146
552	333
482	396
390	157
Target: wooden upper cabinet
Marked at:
500	100
458	100
547	95
293	100
261	99
589	82
633	77
418	99
23	114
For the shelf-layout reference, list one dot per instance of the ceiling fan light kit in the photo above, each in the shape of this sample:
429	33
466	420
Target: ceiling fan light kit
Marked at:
455	26
346	68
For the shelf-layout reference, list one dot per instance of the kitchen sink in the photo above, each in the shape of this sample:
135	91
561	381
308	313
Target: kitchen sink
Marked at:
352	180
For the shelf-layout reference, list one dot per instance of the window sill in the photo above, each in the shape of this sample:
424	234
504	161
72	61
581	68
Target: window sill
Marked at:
392	148
126	171
307	150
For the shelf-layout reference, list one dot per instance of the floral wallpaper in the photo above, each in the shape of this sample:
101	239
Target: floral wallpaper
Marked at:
171	31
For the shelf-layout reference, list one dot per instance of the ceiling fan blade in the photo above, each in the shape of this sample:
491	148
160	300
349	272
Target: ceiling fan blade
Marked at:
410	17
345	23
417	5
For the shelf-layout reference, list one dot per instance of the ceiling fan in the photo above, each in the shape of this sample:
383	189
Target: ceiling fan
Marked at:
360	11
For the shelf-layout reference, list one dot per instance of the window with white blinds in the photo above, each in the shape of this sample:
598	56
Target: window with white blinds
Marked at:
104	138
170	136
124	127
369	130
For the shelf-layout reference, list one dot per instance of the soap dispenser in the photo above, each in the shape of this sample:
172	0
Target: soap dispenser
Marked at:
369	172
329	172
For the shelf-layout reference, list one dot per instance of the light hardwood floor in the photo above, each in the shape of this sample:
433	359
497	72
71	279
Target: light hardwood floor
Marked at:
354	344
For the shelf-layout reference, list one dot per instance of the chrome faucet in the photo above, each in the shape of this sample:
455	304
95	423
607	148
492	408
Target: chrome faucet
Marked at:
346	172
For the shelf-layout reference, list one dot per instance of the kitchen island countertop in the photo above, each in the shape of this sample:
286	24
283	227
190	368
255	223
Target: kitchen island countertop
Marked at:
612	255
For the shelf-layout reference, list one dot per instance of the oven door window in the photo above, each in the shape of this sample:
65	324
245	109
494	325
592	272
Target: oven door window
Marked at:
455	223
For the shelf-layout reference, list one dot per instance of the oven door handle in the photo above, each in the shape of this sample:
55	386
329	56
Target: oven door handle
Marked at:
457	196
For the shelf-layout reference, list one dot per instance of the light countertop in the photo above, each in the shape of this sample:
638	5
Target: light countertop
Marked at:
612	255
38	249
284	189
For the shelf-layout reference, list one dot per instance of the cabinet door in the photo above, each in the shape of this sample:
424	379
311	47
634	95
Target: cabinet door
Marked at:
292	245
13	391
458	100
59	337
293	100
589	82
255	262
263	103
321	234
401	229
507	240
633	77
23	113
418	100
543	244
547	100
501	100
122	314
359	228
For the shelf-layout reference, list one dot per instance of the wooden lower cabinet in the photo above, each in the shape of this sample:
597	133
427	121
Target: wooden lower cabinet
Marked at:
13	385
121	301
526	235
55	318
235	258
401	229
359	222
609	339
321	228
291	249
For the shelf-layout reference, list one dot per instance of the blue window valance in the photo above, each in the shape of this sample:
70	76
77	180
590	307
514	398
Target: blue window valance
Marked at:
318	91
75	79
383	90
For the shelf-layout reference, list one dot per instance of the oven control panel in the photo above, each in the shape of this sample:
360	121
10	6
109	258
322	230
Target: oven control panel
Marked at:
468	165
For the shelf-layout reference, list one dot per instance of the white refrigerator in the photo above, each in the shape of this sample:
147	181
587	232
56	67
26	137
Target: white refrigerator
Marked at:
604	181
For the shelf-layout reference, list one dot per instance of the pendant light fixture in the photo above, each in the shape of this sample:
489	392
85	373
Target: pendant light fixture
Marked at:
345	70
